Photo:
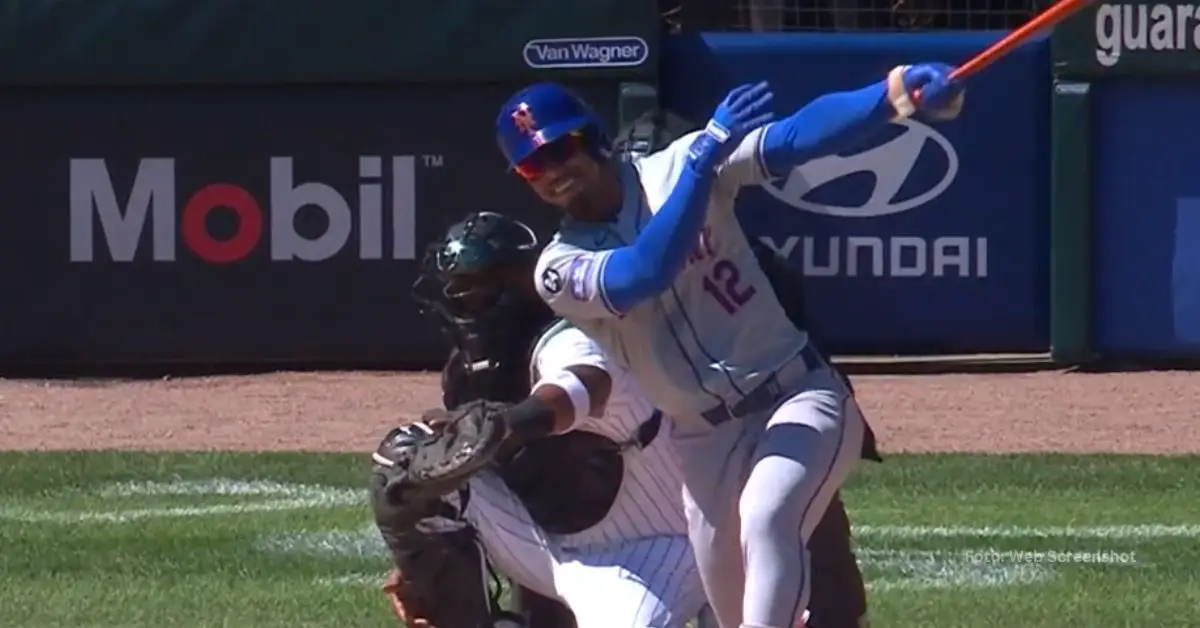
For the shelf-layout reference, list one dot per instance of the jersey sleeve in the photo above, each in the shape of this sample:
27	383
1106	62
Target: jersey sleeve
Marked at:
569	347
570	280
743	167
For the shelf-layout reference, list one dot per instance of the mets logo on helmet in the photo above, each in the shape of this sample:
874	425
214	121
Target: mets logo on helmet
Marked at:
523	119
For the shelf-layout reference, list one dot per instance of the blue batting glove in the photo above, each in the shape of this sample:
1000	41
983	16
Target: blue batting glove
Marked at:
746	108
940	98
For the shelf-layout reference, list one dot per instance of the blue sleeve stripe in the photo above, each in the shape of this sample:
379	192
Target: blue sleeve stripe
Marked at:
601	290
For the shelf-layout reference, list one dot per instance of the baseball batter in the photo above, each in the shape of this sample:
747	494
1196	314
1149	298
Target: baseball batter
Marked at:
651	262
589	511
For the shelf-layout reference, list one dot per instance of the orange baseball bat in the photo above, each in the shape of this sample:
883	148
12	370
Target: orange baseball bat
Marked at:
1044	20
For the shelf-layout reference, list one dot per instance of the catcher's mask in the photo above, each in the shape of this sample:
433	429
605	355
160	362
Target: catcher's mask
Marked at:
477	281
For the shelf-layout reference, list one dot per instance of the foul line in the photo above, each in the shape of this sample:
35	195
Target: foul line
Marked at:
354	579
364	543
288	496
123	516
294	497
228	487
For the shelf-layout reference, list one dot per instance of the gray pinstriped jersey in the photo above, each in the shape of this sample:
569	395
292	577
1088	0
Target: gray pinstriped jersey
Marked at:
719	331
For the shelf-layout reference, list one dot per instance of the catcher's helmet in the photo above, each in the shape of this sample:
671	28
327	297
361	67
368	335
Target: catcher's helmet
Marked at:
542	113
468	283
481	242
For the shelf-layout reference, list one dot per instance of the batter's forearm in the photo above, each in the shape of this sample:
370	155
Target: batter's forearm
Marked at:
824	126
649	266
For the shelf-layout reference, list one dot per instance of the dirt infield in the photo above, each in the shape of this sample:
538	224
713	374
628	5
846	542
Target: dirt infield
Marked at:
1143	412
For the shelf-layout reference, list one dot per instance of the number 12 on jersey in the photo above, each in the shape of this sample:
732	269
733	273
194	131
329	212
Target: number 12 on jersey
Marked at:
723	282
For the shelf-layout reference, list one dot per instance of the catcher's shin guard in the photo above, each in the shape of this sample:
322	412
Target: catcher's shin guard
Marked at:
839	597
541	611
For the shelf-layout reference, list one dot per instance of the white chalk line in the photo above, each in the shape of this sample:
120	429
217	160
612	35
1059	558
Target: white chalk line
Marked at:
373	580
352	544
297	497
230	487
125	516
997	578
911	570
908	574
364	543
887	569
985	577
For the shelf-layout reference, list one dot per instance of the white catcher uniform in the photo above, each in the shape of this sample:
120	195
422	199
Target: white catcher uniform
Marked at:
634	569
766	431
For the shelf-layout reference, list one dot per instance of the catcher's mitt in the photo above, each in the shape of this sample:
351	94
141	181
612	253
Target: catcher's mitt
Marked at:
436	455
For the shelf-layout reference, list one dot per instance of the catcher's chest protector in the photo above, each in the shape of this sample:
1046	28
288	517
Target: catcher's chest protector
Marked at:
568	482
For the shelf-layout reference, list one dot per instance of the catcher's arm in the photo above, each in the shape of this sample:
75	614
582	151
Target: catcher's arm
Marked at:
558	400
573	382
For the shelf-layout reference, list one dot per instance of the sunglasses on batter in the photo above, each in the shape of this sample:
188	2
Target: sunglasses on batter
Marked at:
550	155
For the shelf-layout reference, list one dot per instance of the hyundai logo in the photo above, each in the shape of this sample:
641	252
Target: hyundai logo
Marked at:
891	163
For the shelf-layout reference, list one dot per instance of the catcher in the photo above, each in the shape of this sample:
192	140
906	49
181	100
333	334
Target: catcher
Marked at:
564	489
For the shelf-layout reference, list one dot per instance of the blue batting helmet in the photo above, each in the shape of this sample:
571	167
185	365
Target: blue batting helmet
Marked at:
540	114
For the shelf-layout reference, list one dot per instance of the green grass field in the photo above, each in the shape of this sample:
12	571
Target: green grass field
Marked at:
122	539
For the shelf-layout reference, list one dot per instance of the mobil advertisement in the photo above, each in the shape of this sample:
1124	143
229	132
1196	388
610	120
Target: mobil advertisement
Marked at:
237	225
924	238
1146	213
155	210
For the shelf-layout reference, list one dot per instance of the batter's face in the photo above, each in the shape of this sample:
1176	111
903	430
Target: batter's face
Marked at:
565	174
